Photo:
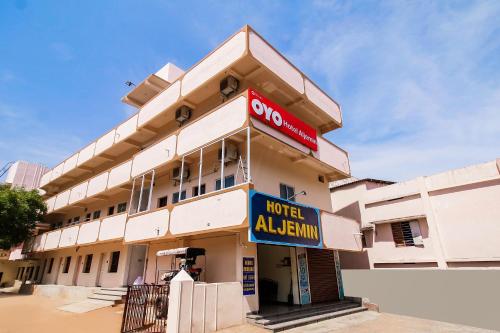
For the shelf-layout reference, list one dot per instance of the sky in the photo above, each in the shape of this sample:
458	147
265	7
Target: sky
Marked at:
418	81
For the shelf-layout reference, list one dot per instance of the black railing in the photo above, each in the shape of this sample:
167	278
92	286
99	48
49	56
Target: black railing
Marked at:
146	309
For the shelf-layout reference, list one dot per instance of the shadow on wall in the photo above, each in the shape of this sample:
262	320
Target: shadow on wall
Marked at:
468	297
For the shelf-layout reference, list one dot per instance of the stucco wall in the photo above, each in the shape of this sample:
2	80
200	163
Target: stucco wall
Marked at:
469	221
86	279
270	168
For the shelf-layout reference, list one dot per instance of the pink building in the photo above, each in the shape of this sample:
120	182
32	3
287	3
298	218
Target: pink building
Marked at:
447	220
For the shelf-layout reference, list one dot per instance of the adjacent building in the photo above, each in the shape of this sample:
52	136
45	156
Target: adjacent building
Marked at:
447	220
228	156
25	174
13	263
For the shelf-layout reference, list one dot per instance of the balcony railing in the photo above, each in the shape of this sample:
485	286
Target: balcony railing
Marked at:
191	142
245	52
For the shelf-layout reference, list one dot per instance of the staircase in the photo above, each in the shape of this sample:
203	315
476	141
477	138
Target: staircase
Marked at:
100	298
294	317
114	296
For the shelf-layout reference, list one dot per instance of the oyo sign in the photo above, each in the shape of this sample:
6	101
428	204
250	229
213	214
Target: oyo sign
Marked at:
275	116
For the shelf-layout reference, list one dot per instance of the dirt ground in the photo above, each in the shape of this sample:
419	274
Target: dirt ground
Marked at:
23	314
26	314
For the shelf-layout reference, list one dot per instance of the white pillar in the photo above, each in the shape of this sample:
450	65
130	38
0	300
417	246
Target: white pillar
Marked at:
180	303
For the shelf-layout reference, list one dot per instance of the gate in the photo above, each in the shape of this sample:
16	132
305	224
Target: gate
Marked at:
146	309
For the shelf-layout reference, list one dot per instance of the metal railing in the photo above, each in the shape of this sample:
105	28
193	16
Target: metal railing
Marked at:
146	309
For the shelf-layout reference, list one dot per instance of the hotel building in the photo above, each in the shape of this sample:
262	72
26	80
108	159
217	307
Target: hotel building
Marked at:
229	156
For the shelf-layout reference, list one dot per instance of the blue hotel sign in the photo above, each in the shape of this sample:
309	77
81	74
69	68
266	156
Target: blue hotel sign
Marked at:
283	222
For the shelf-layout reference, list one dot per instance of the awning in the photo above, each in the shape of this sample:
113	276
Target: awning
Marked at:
188	251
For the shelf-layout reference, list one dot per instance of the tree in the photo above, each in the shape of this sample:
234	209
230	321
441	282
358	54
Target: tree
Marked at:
19	212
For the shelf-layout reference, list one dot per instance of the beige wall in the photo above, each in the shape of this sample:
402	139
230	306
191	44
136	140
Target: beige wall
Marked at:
9	270
270	168
458	214
87	279
469	221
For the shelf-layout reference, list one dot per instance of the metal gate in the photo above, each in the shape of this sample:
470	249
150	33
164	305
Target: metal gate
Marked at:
146	309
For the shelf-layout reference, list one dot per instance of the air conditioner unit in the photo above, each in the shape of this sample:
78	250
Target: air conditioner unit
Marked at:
182	114
230	153
176	173
229	85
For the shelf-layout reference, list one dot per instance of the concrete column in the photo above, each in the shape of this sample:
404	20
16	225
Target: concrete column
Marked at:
432	223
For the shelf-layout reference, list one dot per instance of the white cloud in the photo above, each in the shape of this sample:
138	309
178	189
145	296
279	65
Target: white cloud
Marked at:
417	81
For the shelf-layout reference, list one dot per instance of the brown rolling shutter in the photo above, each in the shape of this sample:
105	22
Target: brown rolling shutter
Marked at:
322	276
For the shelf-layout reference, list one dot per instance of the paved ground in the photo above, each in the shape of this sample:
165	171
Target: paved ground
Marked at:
370	322
23	314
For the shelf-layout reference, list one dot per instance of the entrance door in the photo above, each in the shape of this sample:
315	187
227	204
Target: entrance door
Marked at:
58	270
99	270
276	280
137	261
77	270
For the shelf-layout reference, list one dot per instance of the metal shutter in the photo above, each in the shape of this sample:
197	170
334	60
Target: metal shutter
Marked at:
322	276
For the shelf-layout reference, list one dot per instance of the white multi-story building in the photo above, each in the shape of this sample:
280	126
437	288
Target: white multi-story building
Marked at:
228	156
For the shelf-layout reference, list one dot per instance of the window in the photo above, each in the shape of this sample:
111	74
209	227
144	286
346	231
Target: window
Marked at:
88	263
121	207
142	189
113	264
111	210
22	273
51	263
29	272
196	192
69	221
87	217
406	233
228	182
175	196
287	192
67	263
18	274
162	202
76	220
96	214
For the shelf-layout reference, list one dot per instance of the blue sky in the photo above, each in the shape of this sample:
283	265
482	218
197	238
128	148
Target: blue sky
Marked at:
418	81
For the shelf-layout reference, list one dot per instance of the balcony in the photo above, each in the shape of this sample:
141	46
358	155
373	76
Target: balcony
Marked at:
245	55
110	228
228	120
222	210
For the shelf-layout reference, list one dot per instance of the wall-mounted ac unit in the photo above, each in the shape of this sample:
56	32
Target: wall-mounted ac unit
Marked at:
182	114
176	173
230	153
228	86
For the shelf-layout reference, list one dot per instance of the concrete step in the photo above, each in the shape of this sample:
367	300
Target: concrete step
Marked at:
110	293
123	289
278	327
281	318
303	309
116	299
86	306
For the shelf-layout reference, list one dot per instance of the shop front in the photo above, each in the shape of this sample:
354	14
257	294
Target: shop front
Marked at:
294	268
